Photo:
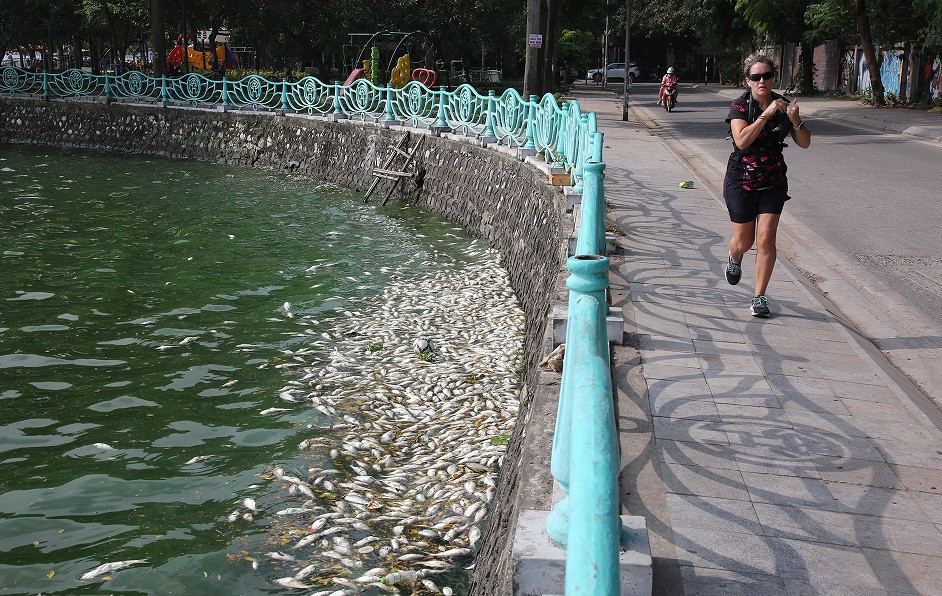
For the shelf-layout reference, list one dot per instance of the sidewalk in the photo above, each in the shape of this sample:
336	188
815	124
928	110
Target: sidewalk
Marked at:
772	456
915	123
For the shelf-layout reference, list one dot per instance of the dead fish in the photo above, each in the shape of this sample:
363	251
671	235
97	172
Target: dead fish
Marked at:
196	459
273	411
293	511
305	541
109	567
104	446
280	556
452	553
249	503
290	582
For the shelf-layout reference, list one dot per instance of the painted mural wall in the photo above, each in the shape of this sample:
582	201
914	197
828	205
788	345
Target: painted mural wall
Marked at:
932	72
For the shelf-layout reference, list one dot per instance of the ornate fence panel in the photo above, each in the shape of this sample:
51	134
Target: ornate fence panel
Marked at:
362	99
466	111
547	125
252	92
511	119
415	104
16	80
311	96
194	90
135	86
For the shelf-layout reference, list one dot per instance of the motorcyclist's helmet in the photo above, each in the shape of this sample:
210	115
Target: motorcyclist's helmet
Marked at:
670	70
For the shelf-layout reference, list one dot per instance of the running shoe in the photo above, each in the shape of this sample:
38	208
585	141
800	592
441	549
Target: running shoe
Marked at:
733	271
760	307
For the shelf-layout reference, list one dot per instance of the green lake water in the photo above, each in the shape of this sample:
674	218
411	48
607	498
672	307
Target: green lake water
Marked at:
142	325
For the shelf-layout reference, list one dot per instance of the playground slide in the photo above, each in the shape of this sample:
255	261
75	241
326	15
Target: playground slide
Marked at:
202	60
357	73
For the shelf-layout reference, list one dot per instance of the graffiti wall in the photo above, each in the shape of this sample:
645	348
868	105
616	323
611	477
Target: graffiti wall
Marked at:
932	74
891	70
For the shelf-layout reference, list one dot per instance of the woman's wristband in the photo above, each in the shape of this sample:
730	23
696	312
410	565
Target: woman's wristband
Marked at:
799	125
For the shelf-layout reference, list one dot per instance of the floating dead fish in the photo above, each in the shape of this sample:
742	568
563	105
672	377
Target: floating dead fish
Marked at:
290	582
197	459
109	567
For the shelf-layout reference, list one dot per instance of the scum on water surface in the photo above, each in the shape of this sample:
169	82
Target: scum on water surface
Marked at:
403	464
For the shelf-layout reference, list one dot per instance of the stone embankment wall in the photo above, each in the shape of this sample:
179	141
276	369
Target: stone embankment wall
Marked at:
490	193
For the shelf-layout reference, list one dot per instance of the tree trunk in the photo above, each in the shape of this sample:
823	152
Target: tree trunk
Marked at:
531	70
549	46
116	57
870	55
806	69
77	57
158	37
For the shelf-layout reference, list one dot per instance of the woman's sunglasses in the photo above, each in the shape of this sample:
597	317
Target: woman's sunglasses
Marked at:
758	76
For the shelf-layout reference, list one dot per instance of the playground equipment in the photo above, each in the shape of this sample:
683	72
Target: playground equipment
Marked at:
200	58
387	57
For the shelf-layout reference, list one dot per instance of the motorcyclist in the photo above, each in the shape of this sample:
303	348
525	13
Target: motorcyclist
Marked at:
669	79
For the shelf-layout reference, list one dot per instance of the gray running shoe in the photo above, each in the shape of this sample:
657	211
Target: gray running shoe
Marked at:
733	271
760	307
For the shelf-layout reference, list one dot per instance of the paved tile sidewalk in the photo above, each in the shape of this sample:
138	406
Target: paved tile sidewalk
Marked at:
769	456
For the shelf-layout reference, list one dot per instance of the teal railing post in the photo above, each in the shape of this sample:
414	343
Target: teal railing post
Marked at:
390	115
225	94
164	96
592	565
591	240
561	148
337	112
284	96
441	122
490	135
107	87
583	152
45	84
597	143
529	144
588	276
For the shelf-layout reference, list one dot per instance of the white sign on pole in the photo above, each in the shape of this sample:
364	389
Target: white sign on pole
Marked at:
536	41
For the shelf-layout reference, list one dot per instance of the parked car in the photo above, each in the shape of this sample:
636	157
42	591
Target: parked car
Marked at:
616	72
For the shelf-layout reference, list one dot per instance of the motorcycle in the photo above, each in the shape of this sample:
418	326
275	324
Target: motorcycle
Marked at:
670	96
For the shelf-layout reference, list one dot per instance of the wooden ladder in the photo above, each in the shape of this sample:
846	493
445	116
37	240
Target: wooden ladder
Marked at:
391	172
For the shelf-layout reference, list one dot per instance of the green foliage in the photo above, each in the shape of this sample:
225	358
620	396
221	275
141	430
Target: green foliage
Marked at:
931	33
831	19
575	47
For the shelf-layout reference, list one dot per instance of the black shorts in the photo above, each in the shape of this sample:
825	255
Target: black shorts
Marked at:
745	205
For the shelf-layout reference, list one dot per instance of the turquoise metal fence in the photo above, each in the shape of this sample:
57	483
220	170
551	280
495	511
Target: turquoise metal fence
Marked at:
585	448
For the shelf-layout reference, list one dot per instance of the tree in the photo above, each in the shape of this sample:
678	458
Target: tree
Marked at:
862	17
783	21
574	49
158	36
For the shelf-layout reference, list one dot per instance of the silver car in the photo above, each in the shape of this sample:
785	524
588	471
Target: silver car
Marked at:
616	72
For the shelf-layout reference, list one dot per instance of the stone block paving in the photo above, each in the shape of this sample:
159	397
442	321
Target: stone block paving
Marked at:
769	456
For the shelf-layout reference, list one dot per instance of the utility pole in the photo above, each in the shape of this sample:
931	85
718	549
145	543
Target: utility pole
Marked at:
624	106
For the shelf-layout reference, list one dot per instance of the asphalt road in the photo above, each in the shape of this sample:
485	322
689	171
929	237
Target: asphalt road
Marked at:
870	199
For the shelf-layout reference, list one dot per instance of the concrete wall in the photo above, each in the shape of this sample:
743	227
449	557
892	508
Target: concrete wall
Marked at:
491	194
